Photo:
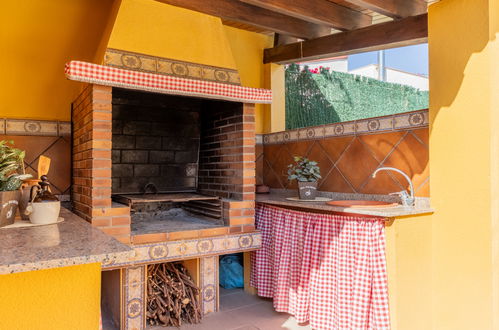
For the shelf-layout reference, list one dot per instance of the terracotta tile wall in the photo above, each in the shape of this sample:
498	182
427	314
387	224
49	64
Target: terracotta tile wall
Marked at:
91	190
348	161
57	148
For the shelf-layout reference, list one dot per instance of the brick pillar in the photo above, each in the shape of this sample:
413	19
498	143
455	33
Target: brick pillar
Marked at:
91	188
241	213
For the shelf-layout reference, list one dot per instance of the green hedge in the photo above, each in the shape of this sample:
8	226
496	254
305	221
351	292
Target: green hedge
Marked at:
331	97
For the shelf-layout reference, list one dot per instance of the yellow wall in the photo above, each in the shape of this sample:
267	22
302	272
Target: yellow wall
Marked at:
247	49
494	148
42	36
409	266
37	39
158	29
278	112
52	299
462	87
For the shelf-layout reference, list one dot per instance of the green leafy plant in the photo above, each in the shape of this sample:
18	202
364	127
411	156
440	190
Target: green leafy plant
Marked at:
11	167
304	170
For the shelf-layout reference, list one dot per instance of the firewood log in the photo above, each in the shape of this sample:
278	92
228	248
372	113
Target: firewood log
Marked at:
172	296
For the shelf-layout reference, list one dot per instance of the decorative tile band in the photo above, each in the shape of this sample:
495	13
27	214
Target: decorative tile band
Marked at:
409	120
189	249
166	66
206	249
34	127
134	297
209	284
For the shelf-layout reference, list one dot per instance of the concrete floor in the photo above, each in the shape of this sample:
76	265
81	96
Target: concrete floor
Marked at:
242	311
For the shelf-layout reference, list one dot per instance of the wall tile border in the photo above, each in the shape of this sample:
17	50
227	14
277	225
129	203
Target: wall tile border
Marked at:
166	66
209	284
31	127
405	121
135	297
190	249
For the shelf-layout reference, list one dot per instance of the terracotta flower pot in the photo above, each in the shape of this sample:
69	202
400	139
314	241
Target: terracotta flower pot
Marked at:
307	190
262	189
9	200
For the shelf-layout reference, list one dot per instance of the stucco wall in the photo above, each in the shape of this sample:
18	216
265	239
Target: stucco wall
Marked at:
37	39
462	132
42	37
56	299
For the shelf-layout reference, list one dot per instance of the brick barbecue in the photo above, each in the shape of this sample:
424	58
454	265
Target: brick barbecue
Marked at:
194	156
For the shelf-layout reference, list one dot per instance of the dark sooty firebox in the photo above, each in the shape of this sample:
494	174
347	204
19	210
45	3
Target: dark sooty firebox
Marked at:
168	161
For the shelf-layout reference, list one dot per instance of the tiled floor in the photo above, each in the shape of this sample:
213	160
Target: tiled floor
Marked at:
242	311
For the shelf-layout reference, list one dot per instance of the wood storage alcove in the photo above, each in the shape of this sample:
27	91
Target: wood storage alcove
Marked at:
173	294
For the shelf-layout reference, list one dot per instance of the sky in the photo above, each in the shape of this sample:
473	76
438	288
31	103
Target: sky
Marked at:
412	59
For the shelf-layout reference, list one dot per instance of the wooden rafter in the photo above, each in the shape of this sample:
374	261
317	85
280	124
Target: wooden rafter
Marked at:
393	8
317	11
252	15
280	39
408	31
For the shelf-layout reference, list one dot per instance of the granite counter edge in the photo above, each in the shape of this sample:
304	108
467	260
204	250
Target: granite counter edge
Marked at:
386	213
107	258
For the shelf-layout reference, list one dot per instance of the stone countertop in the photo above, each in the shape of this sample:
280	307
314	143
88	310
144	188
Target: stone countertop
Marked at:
71	242
278	198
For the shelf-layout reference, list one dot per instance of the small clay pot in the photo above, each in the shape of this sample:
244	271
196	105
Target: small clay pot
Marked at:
262	189
307	190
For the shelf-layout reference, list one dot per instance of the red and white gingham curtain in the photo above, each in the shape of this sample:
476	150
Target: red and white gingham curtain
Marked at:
158	83
327	269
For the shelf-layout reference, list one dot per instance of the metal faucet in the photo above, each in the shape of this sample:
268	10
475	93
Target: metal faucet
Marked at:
405	198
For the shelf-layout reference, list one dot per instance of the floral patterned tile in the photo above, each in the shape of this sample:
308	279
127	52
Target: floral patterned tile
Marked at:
416	119
28	127
193	248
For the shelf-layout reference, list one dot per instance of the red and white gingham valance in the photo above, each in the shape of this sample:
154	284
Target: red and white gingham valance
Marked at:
110	76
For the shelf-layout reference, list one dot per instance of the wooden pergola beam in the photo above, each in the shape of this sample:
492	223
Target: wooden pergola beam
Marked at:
317	11
407	31
256	16
394	8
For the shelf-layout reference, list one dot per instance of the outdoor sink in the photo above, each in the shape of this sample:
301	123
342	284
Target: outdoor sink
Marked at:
360	204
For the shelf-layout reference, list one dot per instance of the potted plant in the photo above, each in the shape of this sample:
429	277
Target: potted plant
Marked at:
306	172
11	178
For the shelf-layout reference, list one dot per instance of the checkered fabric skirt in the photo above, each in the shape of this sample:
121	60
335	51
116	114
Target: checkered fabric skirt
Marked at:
158	83
327	269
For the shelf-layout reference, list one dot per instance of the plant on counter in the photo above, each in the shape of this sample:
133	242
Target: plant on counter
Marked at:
304	170
11	178
11	167
307	173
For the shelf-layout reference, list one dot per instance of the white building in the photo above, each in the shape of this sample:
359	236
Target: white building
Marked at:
339	64
394	76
